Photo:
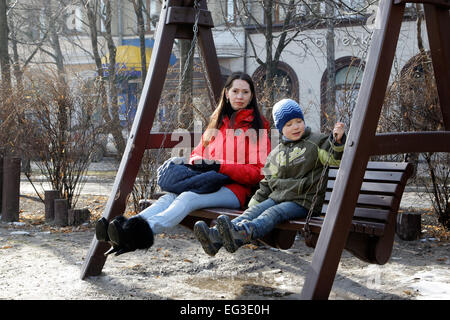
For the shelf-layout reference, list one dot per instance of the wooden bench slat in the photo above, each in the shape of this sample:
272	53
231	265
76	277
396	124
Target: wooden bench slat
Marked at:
387	166
372	187
374	176
370	227
366	213
384	166
369	200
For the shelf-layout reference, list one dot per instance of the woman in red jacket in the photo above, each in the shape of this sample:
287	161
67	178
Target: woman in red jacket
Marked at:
237	142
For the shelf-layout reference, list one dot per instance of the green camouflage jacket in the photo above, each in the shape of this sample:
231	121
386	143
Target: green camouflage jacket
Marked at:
292	170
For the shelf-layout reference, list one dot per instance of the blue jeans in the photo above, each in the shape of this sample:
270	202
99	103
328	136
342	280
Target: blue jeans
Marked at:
172	208
267	214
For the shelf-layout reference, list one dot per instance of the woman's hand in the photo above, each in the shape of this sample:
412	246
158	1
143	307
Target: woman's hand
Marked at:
204	166
338	132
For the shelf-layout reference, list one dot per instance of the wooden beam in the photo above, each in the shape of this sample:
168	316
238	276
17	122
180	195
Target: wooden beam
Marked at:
438	28
410	142
440	3
183	15
169	140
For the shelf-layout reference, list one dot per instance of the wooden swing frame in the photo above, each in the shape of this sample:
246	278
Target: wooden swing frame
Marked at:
176	21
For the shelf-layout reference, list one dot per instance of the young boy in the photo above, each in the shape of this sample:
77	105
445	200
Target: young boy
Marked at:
291	174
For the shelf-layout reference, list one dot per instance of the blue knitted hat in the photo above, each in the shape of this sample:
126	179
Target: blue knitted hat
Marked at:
284	111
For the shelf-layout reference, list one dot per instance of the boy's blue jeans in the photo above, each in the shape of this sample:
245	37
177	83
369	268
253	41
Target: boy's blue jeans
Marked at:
267	214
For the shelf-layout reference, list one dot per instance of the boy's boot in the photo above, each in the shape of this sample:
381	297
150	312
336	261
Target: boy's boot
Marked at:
234	236
209	238
129	234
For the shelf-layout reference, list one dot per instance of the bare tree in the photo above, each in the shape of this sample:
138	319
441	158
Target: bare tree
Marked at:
61	131
412	104
4	54
139	9
282	22
106	80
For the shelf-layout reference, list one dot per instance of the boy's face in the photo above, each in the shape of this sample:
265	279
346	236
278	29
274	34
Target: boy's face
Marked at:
294	129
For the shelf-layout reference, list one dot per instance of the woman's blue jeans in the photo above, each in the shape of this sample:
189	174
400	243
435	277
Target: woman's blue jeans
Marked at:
172	208
267	214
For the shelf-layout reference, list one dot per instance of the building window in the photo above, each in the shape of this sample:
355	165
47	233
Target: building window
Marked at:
74	21
285	82
102	16
230	12
279	12
349	71
151	15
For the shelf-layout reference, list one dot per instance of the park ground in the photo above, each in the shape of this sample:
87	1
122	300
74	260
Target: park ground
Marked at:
41	261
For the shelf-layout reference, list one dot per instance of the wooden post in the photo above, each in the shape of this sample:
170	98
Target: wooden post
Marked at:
11	189
409	225
1	181
61	212
78	216
49	203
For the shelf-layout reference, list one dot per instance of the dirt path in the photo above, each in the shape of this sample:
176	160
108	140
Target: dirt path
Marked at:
41	262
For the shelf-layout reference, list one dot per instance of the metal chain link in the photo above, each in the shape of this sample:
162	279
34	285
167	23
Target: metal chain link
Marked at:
193	42
306	232
208	82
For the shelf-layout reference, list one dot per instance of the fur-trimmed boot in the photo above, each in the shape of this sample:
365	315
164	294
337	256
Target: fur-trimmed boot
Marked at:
129	234
101	229
234	236
209	238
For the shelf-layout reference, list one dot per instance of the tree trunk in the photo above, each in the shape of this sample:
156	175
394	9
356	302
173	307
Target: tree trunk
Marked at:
141	32
103	104
115	128
331	65
270	67
4	55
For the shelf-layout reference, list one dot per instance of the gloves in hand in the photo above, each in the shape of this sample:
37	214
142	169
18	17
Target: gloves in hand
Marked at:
204	167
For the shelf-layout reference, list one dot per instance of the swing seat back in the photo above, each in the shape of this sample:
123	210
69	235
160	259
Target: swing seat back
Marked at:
372	232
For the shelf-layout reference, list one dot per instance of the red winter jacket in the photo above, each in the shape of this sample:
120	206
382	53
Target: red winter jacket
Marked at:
241	154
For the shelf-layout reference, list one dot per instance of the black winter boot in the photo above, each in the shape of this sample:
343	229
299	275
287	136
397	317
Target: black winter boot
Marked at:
101	230
234	236
130	234
209	238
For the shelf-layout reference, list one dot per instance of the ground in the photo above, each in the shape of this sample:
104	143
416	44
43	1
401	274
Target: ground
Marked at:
39	261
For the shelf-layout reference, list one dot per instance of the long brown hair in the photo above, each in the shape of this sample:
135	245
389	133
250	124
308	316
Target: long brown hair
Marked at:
224	107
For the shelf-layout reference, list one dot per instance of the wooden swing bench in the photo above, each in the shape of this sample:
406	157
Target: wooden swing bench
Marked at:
361	211
372	231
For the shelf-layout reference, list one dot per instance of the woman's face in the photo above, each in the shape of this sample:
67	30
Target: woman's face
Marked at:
239	94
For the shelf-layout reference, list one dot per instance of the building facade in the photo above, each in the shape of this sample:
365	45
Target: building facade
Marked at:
240	42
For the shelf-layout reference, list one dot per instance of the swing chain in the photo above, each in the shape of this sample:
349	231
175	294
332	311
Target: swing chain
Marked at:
194	41
306	231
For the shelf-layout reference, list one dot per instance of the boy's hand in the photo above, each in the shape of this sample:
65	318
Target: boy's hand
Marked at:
338	131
